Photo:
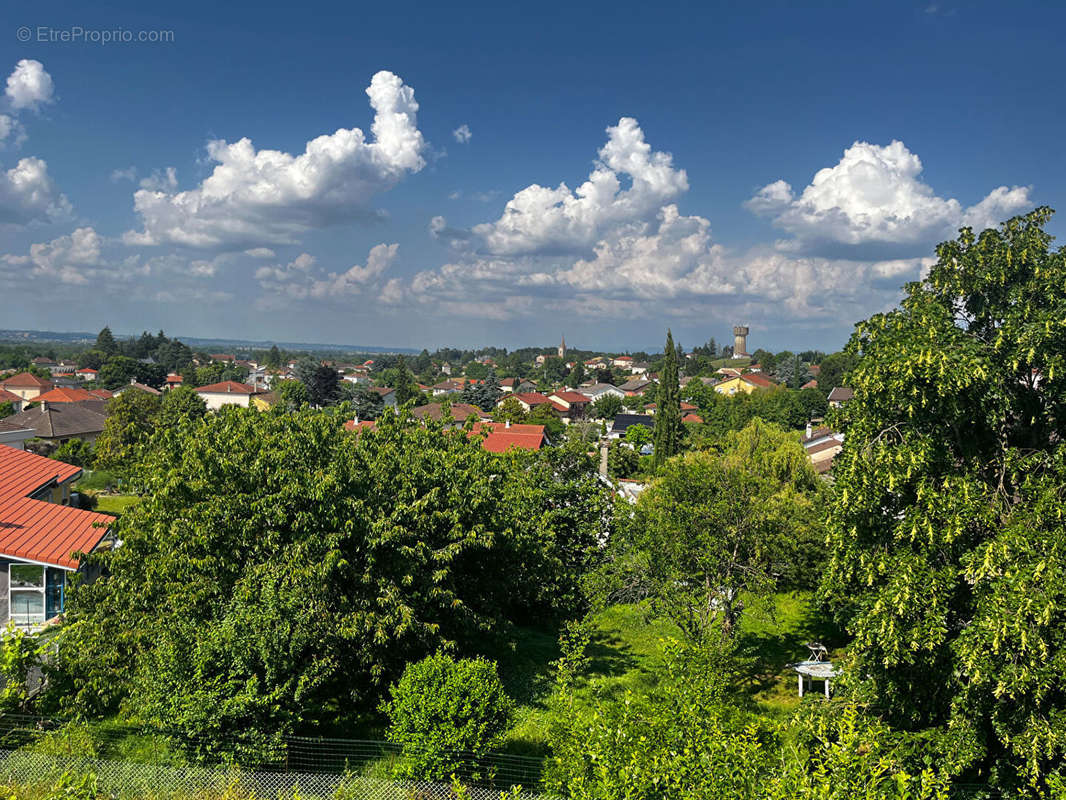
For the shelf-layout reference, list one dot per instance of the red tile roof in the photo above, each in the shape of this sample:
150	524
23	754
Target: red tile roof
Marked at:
352	425
502	438
104	394
694	418
8	397
26	380
227	387
572	397
531	398
62	394
756	379
36	530
684	406
86	371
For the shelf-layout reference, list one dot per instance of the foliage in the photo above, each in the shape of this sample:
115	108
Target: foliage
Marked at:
368	403
946	533
20	653
577	374
131	422
322	382
7	408
638	436
484	395
105	342
74	451
607	406
278	570
544	414
510	411
834	369
668	428
292	394
445	711
622	461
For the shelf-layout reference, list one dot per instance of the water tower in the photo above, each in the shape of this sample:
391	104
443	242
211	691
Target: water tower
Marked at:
740	341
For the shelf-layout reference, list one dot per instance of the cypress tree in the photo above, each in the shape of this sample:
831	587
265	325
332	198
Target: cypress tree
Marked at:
668	406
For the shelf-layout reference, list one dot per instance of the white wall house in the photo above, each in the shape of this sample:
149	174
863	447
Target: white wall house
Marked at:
227	393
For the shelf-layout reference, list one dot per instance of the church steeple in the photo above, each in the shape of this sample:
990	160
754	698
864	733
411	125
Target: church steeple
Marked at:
562	348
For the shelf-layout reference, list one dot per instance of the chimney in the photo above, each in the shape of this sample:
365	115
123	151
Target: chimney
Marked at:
808	433
507	424
44	405
355	420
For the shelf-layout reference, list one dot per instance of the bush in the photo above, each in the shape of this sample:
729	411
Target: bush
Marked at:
74	451
443	712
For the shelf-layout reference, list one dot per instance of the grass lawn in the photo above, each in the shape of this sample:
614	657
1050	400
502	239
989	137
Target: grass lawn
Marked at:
625	655
115	503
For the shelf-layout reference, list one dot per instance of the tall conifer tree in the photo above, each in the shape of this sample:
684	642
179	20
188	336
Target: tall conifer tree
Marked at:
668	406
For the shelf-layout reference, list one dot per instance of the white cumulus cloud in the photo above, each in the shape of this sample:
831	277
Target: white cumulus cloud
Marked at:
73	259
255	197
462	134
875	196
301	278
28	194
29	86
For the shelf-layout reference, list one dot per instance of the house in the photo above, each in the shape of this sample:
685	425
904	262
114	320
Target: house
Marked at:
528	400
86	374
839	396
822	446
224	357
692	419
63	368
460	412
264	401
811	384
746	383
517	385
12	435
622	423
102	394
622	361
570	405
387	395
60	422
359	425
63	395
10	397
227	393
503	436
42	538
447	387
174	381
597	390
26	385
636	386
639	368
686	408
140	387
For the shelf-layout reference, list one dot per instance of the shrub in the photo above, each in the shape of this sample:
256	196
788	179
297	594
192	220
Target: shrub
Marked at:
444	712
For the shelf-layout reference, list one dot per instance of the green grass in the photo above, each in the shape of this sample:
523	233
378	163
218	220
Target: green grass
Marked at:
625	655
115	503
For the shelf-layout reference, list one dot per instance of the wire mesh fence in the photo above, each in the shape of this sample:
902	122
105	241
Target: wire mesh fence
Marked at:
129	762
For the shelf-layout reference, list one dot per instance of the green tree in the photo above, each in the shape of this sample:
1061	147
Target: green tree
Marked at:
273	359
368	403
105	342
322	382
668	427
834	369
74	451
577	374
7	408
484	395
118	372
946	536
607	406
638	436
446	714
622	461
131	422
404	384
293	394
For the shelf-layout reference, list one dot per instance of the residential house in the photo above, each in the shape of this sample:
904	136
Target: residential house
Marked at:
686	408
639	368
224	357
460	412
636	387
174	381
622	361
86	374
63	395
746	383
12	435
42	538
387	395
359	425
692	419
227	393
26	385
570	405
528	400
451	386
264	401
59	422
503	436
140	387
10	397
597	390
102	394
623	422
63	368
822	446
839	396
517	385
811	384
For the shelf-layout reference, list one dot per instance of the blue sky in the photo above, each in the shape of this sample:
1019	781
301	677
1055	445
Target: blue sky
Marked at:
628	167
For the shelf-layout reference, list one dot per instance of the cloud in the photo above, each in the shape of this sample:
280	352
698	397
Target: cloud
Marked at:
301	278
540	220
874	197
256	198
260	252
165	181
127	174
29	86
27	194
72	259
462	134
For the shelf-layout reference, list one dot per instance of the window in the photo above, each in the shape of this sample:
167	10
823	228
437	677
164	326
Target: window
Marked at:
26	594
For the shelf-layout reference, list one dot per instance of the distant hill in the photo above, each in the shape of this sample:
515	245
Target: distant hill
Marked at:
20	336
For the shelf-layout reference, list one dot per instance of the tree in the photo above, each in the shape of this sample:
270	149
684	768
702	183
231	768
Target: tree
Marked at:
638	436
118	371
446	714
293	394
622	462
834	369
577	374
544	414
7	408
607	406
74	451
105	342
668	427
322	382
404	384
273	359
484	395
279	572
720	530
131	422
945	533
368	403
510	411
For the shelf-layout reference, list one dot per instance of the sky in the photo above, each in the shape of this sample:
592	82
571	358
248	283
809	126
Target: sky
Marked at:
457	174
